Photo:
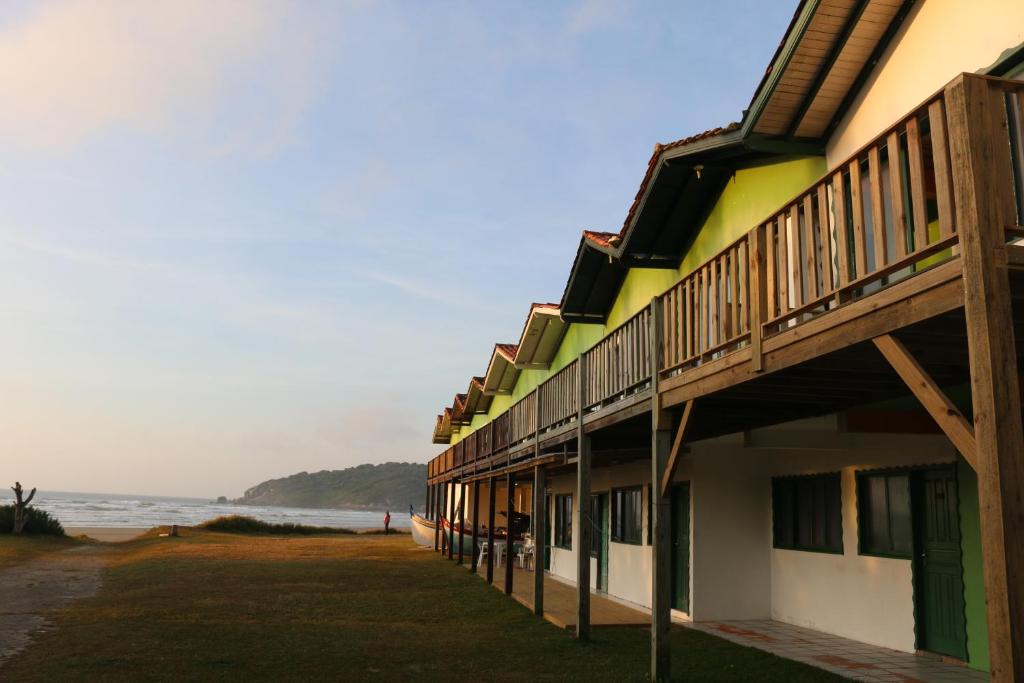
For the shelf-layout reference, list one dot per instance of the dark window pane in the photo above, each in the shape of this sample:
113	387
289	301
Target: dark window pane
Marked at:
807	512
899	515
878	516
804	512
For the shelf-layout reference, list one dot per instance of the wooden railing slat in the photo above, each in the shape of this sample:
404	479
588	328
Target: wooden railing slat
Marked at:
857	211
795	259
943	174
771	278
899	212
842	236
916	180
783	270
824	240
877	207
811	252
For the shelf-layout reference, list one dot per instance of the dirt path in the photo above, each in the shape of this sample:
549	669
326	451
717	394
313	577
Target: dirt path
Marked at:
29	592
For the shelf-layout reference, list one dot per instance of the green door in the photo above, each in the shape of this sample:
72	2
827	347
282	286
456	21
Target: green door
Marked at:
680	501
938	572
599	548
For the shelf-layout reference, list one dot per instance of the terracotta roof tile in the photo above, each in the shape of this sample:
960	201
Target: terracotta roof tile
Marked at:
479	381
602	239
507	350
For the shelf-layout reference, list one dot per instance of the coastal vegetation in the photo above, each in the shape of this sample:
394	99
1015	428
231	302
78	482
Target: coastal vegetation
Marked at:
34	521
215	606
391	485
240	524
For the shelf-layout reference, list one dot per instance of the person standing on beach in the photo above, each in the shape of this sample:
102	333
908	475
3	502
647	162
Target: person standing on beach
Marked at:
387	522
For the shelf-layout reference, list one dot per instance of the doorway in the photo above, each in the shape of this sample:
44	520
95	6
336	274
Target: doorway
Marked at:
599	548
938	570
679	499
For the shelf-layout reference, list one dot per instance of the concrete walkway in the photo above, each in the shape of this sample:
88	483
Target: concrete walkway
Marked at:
29	592
560	601
842	656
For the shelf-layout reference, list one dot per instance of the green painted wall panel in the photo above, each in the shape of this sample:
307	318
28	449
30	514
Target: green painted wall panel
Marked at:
974	583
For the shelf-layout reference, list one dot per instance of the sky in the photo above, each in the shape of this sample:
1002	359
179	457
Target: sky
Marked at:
245	238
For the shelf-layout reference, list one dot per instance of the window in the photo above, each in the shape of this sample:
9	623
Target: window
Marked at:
807	513
627	511
883	503
563	521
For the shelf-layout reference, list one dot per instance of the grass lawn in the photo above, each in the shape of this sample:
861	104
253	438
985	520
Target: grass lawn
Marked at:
212	606
17	549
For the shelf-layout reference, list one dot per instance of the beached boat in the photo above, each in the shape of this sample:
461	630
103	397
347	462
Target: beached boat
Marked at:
423	533
422	530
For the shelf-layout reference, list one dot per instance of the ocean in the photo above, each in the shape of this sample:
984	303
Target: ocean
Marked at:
123	510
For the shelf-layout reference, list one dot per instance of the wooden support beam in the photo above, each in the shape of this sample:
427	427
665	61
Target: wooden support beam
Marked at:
437	522
462	521
980	162
451	518
946	415
492	497
661	564
540	516
510	488
582	527
675	455
475	558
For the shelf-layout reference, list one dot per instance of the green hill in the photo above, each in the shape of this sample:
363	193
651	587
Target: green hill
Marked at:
392	485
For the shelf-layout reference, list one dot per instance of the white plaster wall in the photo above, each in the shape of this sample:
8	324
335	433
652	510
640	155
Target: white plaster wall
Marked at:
938	40
629	566
865	598
731	534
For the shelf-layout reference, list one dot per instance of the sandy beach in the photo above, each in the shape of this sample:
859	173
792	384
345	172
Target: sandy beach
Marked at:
107	534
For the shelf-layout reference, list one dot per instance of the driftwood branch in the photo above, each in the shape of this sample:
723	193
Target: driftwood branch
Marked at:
20	504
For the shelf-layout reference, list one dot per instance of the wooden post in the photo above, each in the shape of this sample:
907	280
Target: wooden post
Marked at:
981	168
582	540
451	519
437	518
661	561
462	521
539	538
491	495
476	526
510	489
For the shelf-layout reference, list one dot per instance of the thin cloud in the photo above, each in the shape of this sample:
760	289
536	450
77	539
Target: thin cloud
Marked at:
74	69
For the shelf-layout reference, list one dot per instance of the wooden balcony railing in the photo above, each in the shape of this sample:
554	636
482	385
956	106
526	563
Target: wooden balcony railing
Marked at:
522	418
559	397
708	311
620	362
886	214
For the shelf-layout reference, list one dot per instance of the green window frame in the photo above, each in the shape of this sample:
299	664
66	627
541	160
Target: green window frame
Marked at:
807	513
563	521
627	515
884	517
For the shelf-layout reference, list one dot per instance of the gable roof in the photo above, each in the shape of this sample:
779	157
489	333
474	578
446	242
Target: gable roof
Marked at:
501	374
825	55
541	336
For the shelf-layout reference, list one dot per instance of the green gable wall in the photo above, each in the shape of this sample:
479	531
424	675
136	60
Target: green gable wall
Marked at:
750	197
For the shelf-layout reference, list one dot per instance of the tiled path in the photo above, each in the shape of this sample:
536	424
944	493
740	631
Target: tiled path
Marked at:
840	655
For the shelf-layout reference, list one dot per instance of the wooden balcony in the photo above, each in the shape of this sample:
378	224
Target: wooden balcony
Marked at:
778	325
